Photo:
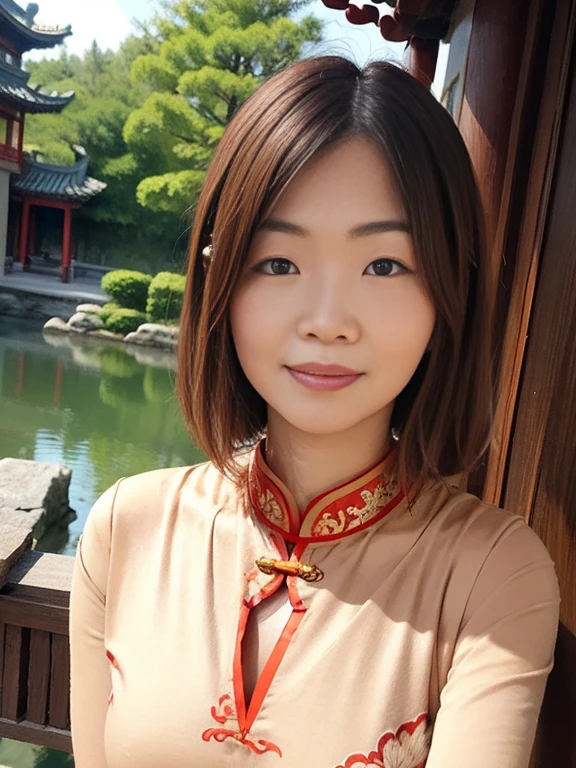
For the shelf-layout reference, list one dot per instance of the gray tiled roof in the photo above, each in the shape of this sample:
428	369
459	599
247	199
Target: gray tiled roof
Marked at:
60	182
15	90
38	35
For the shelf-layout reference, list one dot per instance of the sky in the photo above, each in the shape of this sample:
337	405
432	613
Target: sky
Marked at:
110	21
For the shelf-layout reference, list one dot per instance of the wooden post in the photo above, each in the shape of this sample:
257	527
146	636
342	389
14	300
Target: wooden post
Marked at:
523	148
66	243
24	222
421	57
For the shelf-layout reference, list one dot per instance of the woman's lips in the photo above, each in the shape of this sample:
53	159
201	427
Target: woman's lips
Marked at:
322	381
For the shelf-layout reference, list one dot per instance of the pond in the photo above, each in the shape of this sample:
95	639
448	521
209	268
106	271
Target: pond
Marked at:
102	409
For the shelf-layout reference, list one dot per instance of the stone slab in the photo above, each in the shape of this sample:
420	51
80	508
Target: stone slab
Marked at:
14	542
33	494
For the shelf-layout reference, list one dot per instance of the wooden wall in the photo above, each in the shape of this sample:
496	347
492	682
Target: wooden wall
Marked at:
517	93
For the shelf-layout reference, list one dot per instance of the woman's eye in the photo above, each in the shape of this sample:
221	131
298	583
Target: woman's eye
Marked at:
277	267
384	268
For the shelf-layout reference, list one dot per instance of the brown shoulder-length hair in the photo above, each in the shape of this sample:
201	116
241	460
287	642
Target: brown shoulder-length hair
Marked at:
445	412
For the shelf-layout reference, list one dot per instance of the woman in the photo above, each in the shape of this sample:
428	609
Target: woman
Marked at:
321	593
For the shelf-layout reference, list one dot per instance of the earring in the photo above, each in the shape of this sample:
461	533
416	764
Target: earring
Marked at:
207	255
395	432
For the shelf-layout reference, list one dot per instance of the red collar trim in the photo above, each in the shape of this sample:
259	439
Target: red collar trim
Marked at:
342	511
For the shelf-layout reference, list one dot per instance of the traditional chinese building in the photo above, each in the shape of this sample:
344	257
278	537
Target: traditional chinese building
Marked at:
19	33
57	187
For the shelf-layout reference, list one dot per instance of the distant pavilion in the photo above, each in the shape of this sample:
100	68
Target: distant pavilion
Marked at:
64	187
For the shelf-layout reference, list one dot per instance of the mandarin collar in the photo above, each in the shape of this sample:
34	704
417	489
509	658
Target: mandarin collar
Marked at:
342	511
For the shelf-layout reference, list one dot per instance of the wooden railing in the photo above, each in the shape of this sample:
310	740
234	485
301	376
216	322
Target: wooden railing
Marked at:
34	650
10	153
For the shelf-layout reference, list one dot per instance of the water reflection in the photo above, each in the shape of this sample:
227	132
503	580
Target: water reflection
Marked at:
102	409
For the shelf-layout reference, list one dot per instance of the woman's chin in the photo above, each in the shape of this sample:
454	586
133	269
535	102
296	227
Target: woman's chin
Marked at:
319	424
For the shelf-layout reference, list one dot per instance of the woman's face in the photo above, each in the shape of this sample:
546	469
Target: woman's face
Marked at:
330	318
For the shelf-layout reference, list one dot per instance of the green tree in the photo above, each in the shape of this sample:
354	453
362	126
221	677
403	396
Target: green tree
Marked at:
95	119
212	56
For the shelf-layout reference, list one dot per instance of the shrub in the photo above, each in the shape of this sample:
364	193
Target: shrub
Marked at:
127	287
165	296
125	321
107	310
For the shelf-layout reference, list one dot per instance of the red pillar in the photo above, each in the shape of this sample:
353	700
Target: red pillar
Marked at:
24	224
66	246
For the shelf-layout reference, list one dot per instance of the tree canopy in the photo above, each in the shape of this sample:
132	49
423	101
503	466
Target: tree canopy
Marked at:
212	56
94	119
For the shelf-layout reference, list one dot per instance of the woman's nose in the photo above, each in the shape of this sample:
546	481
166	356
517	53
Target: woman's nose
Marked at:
328	313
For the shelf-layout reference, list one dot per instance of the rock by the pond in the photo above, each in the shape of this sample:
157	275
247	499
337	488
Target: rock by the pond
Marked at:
34	495
89	308
154	335
90	324
84	321
56	324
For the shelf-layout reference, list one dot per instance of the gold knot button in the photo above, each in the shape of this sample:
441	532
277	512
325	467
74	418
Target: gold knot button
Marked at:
290	568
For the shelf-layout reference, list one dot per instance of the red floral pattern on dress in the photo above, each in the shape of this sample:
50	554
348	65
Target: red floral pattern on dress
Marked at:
408	747
225	713
112	659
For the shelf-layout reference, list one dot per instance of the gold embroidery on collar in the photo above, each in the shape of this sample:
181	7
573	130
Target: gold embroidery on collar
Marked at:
352	517
270	506
349	507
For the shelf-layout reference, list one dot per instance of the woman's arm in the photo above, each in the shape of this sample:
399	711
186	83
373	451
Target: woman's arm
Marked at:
90	681
490	704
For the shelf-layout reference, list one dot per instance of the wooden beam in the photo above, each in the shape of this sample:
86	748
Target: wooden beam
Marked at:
29	615
421	59
33	733
513	79
47	202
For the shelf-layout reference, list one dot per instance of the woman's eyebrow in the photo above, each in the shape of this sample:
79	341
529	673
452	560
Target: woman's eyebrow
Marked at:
370	228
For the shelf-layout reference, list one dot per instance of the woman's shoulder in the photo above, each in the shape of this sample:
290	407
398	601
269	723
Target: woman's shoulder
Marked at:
484	526
489	545
171	480
137	512
194	485
143	500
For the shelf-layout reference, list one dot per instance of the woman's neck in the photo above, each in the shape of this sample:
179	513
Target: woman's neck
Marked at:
310	464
